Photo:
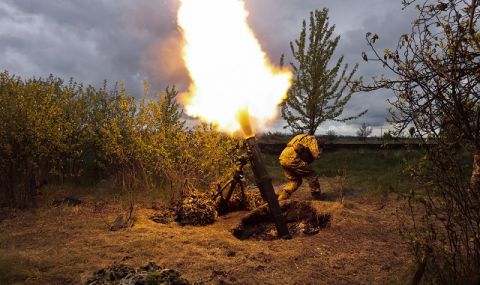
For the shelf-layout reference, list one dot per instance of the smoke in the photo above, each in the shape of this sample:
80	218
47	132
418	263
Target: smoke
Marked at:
164	64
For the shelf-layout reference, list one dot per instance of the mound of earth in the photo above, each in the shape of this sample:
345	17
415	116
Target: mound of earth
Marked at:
301	217
151	274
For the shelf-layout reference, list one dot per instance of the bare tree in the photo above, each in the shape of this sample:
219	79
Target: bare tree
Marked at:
364	131
436	84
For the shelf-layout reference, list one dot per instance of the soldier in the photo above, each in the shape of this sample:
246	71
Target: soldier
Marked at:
295	159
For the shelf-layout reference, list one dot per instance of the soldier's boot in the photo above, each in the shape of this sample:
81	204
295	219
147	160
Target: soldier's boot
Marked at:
288	190
315	189
283	195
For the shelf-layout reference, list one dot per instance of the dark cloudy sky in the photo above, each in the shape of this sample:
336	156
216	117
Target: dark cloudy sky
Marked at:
137	40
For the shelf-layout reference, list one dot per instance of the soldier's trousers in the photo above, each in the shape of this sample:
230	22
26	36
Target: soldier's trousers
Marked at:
296	173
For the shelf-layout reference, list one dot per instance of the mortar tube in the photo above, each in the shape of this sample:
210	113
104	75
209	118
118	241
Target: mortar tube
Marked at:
262	179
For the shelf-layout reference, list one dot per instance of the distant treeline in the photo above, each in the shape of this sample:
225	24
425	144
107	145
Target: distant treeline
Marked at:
277	148
52	131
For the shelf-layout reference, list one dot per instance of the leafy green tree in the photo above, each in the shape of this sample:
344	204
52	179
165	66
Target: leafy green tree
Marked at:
320	91
70	134
171	113
33	132
176	155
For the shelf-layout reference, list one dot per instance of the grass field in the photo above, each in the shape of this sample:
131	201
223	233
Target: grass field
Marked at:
65	245
365	171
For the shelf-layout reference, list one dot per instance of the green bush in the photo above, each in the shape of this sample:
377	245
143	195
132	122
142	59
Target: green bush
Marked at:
68	133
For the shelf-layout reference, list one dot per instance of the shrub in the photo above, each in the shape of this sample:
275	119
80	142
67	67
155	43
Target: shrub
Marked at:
67	133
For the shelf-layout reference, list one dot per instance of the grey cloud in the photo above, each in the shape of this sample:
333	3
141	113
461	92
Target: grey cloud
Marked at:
353	19
88	40
93	40
390	25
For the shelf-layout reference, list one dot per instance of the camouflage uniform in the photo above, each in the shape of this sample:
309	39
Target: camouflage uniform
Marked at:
296	169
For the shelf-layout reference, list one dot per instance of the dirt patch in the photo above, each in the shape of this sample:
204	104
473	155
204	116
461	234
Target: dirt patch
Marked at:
301	217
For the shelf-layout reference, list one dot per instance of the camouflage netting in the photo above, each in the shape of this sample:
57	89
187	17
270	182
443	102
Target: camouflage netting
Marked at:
197	209
251	201
301	217
151	274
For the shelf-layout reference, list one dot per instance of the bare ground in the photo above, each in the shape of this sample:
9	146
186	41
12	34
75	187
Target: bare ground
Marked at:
65	245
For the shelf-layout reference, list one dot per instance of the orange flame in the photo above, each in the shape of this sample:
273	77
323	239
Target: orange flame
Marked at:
229	72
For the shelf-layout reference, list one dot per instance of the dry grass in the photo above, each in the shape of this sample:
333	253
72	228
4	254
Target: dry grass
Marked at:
66	245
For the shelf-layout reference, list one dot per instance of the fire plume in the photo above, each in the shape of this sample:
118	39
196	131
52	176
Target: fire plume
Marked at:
230	73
